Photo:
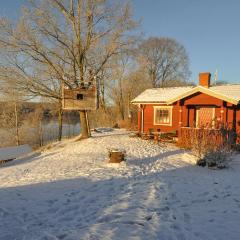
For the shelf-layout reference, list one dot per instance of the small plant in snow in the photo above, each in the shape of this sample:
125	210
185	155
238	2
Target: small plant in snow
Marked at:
212	147
218	158
237	147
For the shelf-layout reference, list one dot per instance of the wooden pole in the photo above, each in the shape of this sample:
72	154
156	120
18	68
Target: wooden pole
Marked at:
16	123
88	125
84	125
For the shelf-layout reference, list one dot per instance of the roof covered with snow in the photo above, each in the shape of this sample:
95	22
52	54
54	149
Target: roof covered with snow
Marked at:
160	94
229	93
230	90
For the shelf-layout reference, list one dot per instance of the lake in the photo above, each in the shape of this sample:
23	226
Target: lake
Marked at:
30	135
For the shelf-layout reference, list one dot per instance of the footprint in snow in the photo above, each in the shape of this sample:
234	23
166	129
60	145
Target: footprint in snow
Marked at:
198	201
227	195
51	201
203	194
53	210
186	218
148	218
3	213
184	205
62	236
25	216
178	232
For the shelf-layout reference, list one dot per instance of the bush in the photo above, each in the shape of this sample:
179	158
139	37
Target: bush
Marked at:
217	158
202	141
237	147
212	147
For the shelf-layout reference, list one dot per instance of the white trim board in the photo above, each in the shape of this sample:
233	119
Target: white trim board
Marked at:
154	115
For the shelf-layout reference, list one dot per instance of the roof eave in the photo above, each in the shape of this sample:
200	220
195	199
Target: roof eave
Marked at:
146	102
206	91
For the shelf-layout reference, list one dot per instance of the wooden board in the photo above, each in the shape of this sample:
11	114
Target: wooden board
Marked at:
80	98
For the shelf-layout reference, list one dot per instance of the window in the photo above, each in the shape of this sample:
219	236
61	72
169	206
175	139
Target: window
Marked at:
79	96
163	115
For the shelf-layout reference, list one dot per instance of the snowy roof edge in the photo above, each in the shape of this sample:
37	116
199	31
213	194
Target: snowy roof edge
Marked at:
187	93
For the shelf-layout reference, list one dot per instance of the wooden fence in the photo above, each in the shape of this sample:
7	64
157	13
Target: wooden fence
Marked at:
206	137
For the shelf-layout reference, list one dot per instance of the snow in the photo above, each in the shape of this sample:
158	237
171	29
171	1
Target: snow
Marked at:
161	95
14	152
229	90
70	192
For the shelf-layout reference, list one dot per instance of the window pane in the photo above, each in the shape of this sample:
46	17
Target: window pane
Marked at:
162	116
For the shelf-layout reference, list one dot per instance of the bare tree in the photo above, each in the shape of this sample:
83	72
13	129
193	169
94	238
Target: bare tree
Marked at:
119	70
64	42
127	81
166	61
10	115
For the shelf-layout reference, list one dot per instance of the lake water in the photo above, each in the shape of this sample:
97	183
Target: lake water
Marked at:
31	136
50	131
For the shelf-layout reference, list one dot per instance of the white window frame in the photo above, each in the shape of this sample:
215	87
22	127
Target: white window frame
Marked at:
169	108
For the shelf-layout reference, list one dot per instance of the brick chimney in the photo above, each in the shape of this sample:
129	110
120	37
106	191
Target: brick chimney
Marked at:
204	79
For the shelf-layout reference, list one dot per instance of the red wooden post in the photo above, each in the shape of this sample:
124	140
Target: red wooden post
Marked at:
179	119
223	113
139	118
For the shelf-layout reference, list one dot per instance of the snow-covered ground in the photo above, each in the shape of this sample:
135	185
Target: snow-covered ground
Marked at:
69	192
8	153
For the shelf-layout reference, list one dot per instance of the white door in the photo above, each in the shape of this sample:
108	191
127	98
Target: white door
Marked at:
205	117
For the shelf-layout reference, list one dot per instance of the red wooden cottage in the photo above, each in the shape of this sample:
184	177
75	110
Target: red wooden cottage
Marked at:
170	109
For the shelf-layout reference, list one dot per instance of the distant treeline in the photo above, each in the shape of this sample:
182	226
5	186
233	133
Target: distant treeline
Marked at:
46	111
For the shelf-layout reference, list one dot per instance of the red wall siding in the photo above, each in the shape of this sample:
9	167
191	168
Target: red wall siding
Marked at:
139	119
184	116
230	117
238	119
202	99
192	117
149	119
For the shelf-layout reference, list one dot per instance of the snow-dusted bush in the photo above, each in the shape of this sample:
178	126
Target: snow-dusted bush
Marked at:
212	147
218	158
203	141
237	147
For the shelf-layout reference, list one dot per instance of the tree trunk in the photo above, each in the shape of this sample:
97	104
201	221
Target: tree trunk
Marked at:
40	133
122	111
85	131
121	103
60	121
121	106
16	124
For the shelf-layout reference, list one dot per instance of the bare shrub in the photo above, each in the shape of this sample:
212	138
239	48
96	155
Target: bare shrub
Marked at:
102	118
218	158
212	147
237	147
202	141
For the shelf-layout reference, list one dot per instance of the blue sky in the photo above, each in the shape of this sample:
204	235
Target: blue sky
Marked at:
209	30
